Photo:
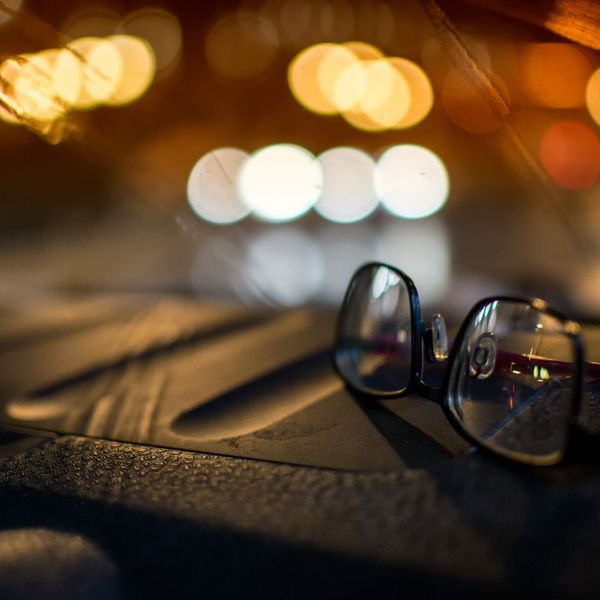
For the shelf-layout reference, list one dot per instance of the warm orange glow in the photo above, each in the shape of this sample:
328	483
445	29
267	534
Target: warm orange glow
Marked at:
139	66
421	92
570	154
555	75
241	46
332	66
161	29
592	96
102	68
387	97
303	79
371	92
362	121
350	86
466	106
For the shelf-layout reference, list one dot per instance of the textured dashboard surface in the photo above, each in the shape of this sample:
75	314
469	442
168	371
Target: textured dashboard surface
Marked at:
350	498
174	522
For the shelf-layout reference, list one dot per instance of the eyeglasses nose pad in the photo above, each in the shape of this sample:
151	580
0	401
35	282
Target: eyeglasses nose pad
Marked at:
482	358
436	340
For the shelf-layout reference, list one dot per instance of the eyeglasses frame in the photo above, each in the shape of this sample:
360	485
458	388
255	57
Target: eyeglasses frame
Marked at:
441	395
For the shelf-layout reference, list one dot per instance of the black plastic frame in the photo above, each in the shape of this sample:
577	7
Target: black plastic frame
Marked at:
572	329
416	385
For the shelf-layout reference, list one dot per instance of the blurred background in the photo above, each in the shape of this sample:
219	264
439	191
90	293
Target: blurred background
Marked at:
261	150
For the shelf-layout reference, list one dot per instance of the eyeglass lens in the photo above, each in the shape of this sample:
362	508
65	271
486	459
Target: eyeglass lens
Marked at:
374	346
511	385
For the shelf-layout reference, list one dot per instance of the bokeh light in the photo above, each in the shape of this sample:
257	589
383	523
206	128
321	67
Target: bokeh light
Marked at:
371	92
387	96
241	46
102	68
411	181
212	188
139	66
421	92
555	74
162	30
332	66
570	154
592	96
281	182
350	85
304	80
12	6
95	21
348	191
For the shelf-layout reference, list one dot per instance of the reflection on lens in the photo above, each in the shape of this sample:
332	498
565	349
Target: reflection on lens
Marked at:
343	248
282	267
373	351
512	382
422	248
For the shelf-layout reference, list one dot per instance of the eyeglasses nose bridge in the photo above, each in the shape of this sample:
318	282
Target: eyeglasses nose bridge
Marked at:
436	340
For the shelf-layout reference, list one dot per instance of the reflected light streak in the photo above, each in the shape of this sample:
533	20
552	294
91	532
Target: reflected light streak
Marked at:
30	77
411	181
466	106
212	188
555	74
241	46
570	154
348	192
281	182
12	5
592	96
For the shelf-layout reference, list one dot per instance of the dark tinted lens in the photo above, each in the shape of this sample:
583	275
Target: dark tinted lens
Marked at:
512	383
374	343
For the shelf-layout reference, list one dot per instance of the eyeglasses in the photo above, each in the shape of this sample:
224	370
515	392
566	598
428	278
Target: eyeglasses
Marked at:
513	381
